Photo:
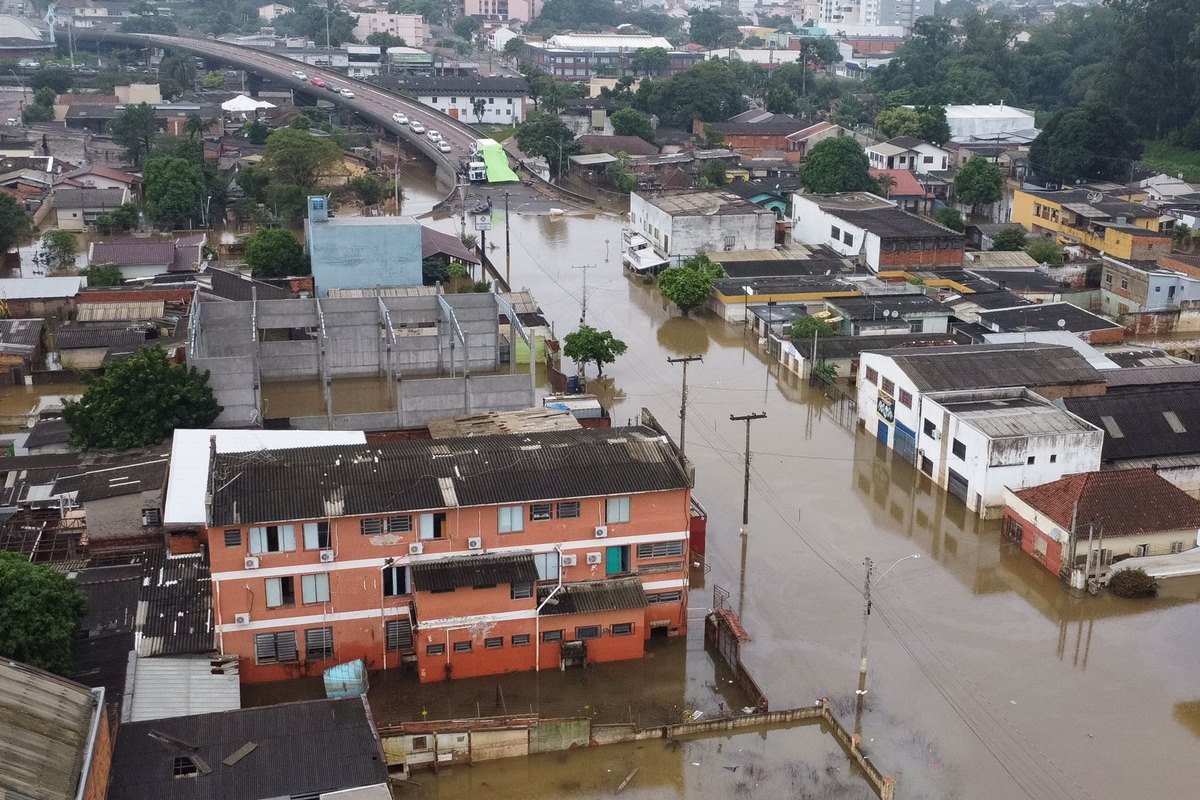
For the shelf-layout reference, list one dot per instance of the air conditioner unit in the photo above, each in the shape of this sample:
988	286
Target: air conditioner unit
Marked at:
568	561
475	543
594	558
241	619
601	531
328	557
935	434
251	562
416	549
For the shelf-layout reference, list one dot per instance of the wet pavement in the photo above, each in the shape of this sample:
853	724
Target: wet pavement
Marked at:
988	679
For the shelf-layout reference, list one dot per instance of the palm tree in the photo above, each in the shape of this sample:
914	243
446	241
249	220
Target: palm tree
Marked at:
193	126
886	184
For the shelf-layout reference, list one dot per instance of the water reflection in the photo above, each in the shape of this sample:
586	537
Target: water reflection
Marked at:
683	336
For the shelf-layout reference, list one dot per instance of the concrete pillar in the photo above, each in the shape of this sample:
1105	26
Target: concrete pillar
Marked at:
855	743
888	790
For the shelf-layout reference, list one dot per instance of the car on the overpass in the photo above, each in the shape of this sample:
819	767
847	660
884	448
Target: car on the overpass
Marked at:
348	94
416	127
317	82
298	75
444	146
400	119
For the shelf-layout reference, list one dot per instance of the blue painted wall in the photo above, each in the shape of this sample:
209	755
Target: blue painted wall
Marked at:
364	252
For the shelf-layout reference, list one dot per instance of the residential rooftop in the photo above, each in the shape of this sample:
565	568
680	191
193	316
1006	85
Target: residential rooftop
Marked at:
1020	280
473	572
1085	203
785	284
316	482
470	85
1144	423
1046	317
988	366
287	750
849	201
842	347
1165	375
777	125
703	203
881	306
895	223
1010	413
613	594
1127	502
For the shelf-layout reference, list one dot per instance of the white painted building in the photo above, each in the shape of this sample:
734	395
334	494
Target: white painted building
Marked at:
500	37
503	98
409	27
910	153
873	17
668	227
977	443
270	11
981	122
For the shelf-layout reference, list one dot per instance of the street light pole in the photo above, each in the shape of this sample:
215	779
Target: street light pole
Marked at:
685	360
870	565
747	418
508	245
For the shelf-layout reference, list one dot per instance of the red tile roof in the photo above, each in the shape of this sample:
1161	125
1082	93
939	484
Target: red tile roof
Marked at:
131	252
904	183
1126	502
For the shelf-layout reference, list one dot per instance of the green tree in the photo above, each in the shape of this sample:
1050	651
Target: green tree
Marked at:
118	220
100	275
588	345
256	132
979	182
651	61
174	191
1093	141
367	189
710	91
514	48
58	251
386	40
805	327
138	401
713	29
321	22
478	107
1045	251
620	174
1133	583
837	165
275	253
950	218
213	80
782	100
40	612
45	97
689	285
466	27
179	68
52	78
15	224
1010	239
193	126
299	159
631	122
134	129
544	135
899	121
713	173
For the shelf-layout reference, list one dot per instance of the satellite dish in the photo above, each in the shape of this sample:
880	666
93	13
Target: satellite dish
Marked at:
1094	197
1062	323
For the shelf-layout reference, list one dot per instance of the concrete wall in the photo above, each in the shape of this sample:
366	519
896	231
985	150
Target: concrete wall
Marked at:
364	252
813	225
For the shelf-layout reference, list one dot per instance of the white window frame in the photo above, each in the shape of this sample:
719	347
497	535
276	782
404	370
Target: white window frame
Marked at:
548	565
510	519
314	588
616	510
312	536
285	537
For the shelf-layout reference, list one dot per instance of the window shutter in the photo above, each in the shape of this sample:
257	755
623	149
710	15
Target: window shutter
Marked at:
274	593
285	645
399	635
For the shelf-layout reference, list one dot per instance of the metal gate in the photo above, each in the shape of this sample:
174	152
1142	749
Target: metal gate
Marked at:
905	443
956	484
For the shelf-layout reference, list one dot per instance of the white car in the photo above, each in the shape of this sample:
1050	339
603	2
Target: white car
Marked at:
300	76
416	127
399	118
444	146
434	136
349	95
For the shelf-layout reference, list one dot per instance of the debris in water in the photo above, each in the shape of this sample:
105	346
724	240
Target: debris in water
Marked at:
747	709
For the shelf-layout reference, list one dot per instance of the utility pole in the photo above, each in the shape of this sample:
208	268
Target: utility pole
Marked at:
583	312
508	245
862	664
747	418
683	397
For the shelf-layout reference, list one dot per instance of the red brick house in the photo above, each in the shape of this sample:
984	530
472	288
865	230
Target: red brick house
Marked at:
1127	513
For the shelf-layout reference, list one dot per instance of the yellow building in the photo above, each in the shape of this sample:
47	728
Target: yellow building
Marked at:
1094	220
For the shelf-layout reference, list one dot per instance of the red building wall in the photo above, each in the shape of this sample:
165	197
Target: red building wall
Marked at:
1050	555
915	259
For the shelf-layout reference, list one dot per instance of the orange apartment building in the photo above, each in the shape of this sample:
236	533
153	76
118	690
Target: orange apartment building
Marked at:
456	557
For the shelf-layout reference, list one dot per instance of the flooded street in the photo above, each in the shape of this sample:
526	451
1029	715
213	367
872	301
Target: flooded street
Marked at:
987	678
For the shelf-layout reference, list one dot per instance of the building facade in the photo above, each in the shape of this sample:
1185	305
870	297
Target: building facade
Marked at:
1116	227
514	10
456	557
579	56
669	227
409	27
361	252
907	152
1138	288
496	100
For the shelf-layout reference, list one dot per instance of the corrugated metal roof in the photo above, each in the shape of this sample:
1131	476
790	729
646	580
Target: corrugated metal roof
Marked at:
614	594
526	420
81	336
994	365
1143	423
482	571
174	613
46	722
96	482
179	686
314	482
38	288
305	748
1153	376
21	332
133	252
120	312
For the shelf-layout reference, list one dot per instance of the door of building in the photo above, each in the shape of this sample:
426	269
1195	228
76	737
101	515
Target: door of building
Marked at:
616	560
882	431
957	485
906	443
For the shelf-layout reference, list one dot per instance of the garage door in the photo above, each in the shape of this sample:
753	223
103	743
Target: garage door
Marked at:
905	443
957	485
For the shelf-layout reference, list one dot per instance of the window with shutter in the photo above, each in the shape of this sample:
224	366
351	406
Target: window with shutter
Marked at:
318	644
275	648
399	635
660	549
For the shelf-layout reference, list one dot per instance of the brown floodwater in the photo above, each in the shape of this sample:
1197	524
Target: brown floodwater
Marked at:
988	679
19	403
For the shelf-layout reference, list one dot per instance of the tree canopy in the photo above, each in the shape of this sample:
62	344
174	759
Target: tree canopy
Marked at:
275	253
100	275
805	327
926	123
837	165
1093	141
174	192
979	182
713	29
950	218
588	345
133	128
15	223
1045	251
631	122
138	401
297	158
689	285
1010	239
710	91
543	134
40	611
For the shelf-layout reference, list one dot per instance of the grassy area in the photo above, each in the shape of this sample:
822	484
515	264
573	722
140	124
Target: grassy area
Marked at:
1172	160
497	132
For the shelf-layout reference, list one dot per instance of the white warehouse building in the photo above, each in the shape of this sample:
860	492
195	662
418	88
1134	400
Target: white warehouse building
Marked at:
503	98
667	228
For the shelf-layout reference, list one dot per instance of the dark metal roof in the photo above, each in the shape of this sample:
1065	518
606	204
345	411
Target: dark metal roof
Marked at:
1026	280
777	125
134	252
102	652
469	85
894	223
98	481
989	366
1144	423
1000	299
873	308
477	572
234	286
175	605
615	594
80	335
305	748
437	243
1144	376
785	267
49	431
630	145
1045	317
751	189
24	333
90	199
840	347
313	482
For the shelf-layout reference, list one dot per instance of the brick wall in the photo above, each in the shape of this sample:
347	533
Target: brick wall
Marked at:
913	259
96	787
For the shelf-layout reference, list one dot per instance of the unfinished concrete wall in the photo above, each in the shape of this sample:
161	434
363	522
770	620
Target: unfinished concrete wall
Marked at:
234	382
281	361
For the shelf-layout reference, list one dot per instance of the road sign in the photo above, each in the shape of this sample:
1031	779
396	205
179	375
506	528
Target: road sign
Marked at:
483	222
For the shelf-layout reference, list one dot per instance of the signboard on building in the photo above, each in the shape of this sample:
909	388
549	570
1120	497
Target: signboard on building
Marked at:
885	407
